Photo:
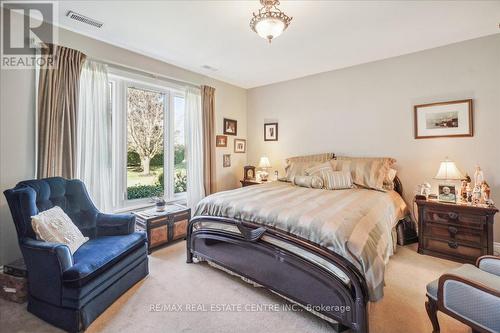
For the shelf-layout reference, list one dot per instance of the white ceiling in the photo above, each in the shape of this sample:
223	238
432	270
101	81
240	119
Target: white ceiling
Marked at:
323	35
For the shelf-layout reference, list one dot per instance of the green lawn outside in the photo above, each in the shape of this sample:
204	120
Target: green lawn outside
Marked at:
135	176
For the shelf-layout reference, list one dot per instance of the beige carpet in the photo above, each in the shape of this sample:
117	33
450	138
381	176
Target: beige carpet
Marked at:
172	281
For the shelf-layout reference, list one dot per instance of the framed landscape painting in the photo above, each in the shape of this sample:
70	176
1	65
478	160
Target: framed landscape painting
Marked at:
445	119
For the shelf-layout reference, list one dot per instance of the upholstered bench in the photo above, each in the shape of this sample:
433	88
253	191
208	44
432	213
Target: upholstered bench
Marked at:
468	293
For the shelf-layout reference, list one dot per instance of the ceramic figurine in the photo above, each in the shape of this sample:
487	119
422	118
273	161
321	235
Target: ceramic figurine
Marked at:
463	190
478	177
476	194
424	189
469	193
467	178
485	192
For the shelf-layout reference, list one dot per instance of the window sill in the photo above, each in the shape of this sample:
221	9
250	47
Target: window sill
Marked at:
181	199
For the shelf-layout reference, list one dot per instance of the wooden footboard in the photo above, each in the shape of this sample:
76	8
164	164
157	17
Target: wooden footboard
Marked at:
288	274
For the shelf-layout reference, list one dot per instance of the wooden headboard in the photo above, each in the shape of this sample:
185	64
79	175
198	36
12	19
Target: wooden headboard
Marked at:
398	187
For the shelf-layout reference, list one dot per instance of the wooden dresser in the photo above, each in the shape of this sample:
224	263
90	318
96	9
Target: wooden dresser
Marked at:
454	231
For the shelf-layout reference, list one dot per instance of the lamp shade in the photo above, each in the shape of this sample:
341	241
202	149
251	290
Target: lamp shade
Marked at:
269	28
264	162
448	171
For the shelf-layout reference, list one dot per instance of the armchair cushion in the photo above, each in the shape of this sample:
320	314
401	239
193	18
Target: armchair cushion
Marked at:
115	224
99	254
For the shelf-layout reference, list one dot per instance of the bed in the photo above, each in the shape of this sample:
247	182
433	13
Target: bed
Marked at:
323	250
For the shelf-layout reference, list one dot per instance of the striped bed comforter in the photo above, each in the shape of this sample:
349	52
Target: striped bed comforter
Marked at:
356	219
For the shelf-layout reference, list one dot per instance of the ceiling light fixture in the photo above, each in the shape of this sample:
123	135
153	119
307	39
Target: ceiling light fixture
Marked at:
270	22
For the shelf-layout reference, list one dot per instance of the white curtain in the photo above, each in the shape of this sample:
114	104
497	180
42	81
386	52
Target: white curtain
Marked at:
93	159
194	146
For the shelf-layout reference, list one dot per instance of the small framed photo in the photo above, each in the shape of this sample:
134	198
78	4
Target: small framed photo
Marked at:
240	145
444	119
447	193
221	141
271	132
230	127
226	160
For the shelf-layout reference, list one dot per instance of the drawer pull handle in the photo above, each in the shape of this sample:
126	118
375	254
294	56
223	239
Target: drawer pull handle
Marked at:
453	245
452	230
452	215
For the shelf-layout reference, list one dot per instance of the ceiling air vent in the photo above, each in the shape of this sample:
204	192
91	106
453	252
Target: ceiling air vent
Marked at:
84	19
210	68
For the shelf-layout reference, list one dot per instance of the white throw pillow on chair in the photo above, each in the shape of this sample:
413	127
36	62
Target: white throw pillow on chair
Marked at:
53	225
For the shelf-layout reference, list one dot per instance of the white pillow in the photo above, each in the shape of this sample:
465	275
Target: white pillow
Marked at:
53	225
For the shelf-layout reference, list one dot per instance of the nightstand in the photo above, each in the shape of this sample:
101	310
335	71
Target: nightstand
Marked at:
250	182
457	232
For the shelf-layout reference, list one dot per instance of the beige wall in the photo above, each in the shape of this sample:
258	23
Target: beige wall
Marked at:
367	110
17	153
364	110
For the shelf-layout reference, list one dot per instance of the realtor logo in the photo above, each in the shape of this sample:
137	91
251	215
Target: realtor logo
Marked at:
27	26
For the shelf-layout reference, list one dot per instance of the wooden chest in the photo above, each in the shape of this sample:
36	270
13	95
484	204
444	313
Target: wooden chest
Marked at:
454	231
163	227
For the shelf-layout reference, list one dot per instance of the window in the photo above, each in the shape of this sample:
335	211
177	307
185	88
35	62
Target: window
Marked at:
148	140
145	150
180	176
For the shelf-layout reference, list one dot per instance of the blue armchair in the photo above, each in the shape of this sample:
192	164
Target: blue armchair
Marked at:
71	291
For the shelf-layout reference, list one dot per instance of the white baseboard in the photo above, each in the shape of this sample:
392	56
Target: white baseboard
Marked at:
496	248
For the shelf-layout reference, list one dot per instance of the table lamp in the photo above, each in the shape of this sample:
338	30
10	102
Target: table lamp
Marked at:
264	164
448	171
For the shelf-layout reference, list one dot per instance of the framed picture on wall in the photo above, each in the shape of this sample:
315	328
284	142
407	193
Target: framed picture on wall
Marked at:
230	127
271	132
240	145
221	141
226	160
444	119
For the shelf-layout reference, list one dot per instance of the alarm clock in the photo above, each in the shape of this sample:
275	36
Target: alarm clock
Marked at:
249	172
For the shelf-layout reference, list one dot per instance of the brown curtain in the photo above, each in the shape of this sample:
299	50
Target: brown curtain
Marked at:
57	112
208	110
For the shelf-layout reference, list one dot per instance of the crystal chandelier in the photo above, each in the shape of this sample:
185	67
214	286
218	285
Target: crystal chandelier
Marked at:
270	22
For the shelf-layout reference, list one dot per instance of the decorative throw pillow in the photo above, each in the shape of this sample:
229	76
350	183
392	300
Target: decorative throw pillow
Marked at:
368	172
295	166
308	181
53	225
332	180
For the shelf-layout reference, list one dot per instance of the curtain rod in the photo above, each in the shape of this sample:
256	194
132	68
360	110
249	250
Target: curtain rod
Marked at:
146	73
